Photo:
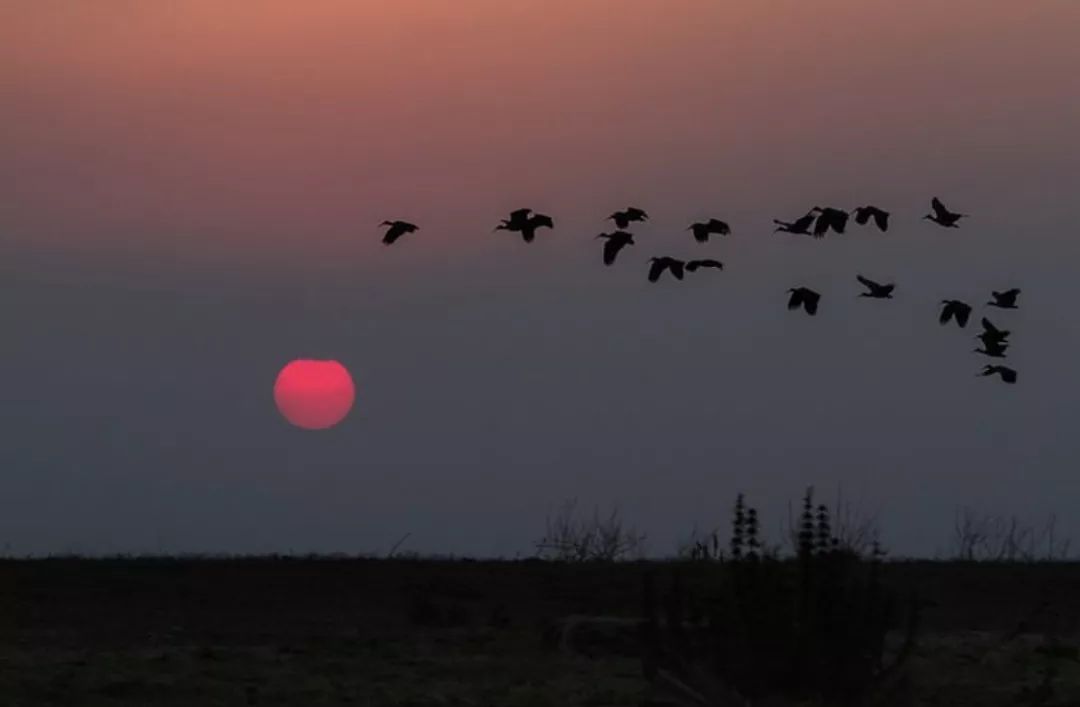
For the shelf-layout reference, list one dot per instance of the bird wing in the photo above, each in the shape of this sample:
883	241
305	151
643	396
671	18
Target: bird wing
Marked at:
821	225
796	299
839	220
391	235
719	227
636	214
655	269
1007	374
962	313
1009	294
611	249
887	289
991	329
519	215
867	282
693	265
862	215
701	232
947	312
803	223
939	209
676	267
881	218
811	302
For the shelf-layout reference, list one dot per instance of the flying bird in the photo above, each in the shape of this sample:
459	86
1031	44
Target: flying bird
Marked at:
1007	374
875	289
863	214
614	243
800	226
942	216
693	265
992	333
397	230
993	349
623	219
828	217
957	310
525	222
1006	299
804	297
702	231
659	265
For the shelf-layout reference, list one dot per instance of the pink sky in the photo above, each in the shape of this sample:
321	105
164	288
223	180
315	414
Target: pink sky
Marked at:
207	129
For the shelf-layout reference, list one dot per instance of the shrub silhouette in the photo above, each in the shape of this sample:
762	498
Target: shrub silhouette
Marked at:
809	629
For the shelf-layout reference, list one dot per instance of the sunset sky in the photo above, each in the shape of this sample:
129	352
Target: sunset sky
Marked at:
190	199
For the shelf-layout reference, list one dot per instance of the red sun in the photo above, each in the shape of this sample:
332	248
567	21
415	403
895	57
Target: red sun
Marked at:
314	395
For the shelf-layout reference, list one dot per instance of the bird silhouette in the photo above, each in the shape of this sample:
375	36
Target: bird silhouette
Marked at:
693	265
397	230
525	222
1006	299
1007	374
659	265
991	333
800	226
993	349
623	219
874	289
957	310
702	231
614	243
804	297
863	214
942	216
827	218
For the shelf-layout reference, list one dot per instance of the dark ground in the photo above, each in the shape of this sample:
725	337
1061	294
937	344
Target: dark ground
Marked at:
414	632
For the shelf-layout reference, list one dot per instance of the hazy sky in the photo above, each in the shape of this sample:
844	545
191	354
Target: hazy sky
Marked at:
190	193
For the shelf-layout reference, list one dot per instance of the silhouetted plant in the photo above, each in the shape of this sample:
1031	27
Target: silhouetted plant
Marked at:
570	538
999	539
809	630
753	545
738	526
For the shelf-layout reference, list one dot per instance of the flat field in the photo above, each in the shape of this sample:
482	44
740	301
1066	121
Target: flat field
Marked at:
268	631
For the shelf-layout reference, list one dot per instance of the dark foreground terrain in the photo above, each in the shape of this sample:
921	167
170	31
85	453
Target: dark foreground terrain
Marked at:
400	632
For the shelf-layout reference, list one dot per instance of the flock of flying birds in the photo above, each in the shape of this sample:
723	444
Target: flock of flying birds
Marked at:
816	223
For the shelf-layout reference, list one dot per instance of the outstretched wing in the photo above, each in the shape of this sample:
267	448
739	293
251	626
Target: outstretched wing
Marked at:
611	249
947	313
939	209
803	223
862	215
962	312
867	282
811	302
719	227
636	214
655	269
796	299
541	220
993	330
881	218
821	225
838	220
701	232
676	267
